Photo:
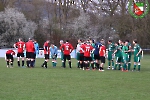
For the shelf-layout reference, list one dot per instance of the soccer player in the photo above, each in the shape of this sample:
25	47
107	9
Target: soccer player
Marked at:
36	45
20	46
96	54
62	54
125	55
67	48
53	52
78	52
111	48
137	55
9	58
30	50
118	54
81	57
46	53
87	56
102	54
129	54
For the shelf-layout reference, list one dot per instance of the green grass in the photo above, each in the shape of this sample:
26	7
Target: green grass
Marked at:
73	84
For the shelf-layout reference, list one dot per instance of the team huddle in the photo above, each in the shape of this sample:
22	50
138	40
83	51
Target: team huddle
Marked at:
90	54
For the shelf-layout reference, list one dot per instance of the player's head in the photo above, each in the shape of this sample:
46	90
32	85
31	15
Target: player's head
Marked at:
52	45
48	41
20	39
134	41
109	41
79	40
30	39
120	42
67	40
35	41
61	42
127	41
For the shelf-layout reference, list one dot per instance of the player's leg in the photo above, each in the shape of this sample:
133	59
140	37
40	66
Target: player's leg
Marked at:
22	55
78	61
18	59
32	60
96	57
116	65
27	59
62	58
92	63
102	63
139	64
109	59
129	62
64	61
112	60
85	63
7	60
45	61
69	60
135	62
11	61
55	60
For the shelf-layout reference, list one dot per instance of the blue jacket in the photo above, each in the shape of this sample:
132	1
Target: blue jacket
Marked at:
53	51
36	46
97	46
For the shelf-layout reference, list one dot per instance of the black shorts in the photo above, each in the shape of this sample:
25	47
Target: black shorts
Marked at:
9	56
67	57
46	56
96	57
87	58
30	55
20	54
102	58
81	57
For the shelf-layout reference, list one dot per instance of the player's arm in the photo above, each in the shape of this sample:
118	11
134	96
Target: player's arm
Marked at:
15	45
115	52
140	50
71	48
61	47
37	48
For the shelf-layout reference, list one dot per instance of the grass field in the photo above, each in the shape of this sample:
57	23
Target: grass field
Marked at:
73	84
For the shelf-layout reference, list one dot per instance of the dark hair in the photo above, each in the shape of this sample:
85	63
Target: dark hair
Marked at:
67	40
110	41
126	40
135	40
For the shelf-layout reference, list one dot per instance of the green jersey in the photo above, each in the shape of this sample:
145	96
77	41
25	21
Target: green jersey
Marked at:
129	44
136	49
124	49
119	52
111	47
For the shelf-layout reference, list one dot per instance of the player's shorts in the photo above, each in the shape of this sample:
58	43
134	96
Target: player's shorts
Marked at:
110	57
27	54
31	55
81	57
119	59
87	59
137	58
96	57
9	56
102	58
67	57
46	56
20	54
78	56
62	55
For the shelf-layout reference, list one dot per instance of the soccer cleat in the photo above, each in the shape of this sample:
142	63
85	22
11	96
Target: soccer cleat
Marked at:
83	68
101	70
112	68
7	66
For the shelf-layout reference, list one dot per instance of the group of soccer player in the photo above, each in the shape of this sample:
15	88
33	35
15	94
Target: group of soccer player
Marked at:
92	55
